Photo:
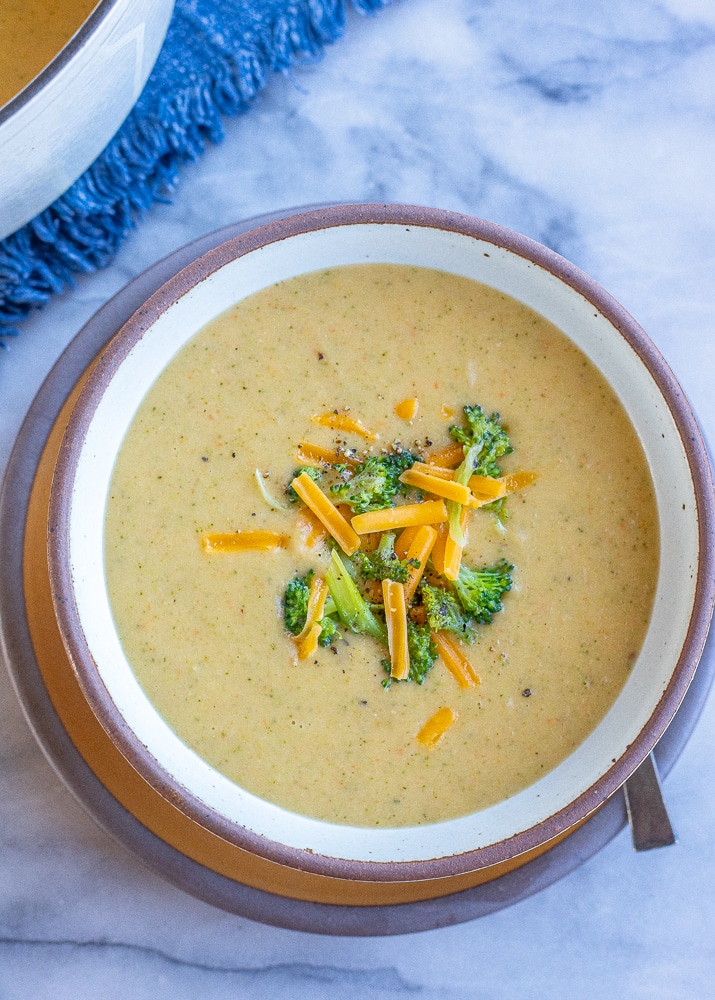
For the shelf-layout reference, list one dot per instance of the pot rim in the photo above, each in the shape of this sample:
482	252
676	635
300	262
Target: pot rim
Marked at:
66	54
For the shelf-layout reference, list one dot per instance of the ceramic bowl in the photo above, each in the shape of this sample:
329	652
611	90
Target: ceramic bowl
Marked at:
61	121
334	862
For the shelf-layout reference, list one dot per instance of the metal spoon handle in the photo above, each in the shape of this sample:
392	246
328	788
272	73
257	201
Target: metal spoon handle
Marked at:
647	815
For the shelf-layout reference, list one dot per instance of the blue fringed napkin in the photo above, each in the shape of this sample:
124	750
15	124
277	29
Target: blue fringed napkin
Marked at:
215	59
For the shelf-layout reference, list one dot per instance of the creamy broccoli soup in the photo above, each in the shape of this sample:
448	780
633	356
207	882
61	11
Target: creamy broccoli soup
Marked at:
32	32
377	361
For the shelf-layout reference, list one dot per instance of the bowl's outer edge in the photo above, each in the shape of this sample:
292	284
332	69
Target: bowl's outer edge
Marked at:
68	618
53	740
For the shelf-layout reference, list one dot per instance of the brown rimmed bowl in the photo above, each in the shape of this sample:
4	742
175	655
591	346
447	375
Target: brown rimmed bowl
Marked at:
209	818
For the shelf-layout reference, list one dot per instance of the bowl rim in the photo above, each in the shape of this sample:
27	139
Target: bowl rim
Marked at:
99	698
55	66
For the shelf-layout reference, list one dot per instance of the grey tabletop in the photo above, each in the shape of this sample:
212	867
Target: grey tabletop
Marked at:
588	128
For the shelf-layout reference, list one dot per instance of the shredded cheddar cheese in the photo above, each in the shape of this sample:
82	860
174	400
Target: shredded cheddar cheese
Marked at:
429	512
316	602
450	456
434	470
342	422
419	550
434	729
306	640
440	487
396	620
307	644
517	481
487	486
438	551
407	409
453	550
311	531
455	661
326	512
405	539
314	454
237	541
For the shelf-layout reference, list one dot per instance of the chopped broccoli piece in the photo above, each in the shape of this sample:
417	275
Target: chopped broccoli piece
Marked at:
315	474
458	606
295	603
351	606
485	441
480	590
295	610
485	438
445	613
374	482
383	564
329	631
422	650
499	509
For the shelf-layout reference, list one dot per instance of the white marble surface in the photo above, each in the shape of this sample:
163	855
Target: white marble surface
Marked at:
589	126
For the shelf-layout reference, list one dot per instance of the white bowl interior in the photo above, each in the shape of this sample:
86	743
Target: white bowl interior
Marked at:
592	332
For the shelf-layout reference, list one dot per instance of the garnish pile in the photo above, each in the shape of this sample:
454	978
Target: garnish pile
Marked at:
398	529
396	524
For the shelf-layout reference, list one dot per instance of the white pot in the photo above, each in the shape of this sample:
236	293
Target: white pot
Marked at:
58	125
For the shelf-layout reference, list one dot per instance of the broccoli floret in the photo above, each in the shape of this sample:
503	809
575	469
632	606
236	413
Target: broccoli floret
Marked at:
484	441
352	609
485	438
445	613
499	509
480	590
295	610
375	482
422	650
315	474
329	631
295	603
383	564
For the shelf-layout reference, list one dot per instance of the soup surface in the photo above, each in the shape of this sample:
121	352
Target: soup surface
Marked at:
32	32
204	632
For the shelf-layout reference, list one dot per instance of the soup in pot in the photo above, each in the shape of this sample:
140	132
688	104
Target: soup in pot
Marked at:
32	33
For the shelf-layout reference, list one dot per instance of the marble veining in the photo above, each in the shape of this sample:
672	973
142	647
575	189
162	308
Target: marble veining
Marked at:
271	982
588	126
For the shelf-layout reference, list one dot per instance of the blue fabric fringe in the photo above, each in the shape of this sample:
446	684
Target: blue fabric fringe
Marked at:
215	59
